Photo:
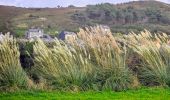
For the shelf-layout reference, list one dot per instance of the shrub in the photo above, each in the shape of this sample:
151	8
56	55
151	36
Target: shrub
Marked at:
26	54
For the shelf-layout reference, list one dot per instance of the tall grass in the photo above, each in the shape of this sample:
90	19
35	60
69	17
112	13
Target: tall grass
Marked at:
109	58
94	60
62	66
11	72
153	50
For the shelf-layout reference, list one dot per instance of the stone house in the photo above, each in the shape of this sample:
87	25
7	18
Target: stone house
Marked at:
34	33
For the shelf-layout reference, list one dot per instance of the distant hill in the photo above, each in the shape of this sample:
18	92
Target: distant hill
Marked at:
17	20
126	17
122	18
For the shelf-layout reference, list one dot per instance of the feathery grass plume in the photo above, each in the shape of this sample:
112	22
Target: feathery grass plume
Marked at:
108	56
154	67
62	65
144	38
11	72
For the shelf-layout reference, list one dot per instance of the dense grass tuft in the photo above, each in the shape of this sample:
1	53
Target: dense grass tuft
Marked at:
96	62
11	72
154	51
62	66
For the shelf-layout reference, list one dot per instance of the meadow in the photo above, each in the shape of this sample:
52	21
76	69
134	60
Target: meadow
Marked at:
98	61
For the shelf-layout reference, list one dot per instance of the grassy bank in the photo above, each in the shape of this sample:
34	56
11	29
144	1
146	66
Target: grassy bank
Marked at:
94	61
141	94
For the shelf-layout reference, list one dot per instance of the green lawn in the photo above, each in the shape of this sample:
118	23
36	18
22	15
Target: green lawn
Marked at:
141	94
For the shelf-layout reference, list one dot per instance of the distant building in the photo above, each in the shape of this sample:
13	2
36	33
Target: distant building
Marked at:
34	33
65	35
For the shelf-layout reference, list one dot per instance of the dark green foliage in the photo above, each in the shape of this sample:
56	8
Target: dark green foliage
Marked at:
121	18
26	54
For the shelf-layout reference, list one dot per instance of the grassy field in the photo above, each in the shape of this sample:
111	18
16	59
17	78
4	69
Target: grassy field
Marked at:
140	94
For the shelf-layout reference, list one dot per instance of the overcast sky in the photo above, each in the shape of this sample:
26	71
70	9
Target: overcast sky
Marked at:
64	3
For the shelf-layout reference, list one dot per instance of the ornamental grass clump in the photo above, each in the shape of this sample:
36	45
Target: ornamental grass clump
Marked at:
62	66
11	73
109	58
154	53
94	60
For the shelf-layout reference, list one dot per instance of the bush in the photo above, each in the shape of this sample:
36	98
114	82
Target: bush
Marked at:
26	54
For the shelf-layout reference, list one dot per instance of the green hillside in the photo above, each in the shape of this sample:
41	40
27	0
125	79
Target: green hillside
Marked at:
18	20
